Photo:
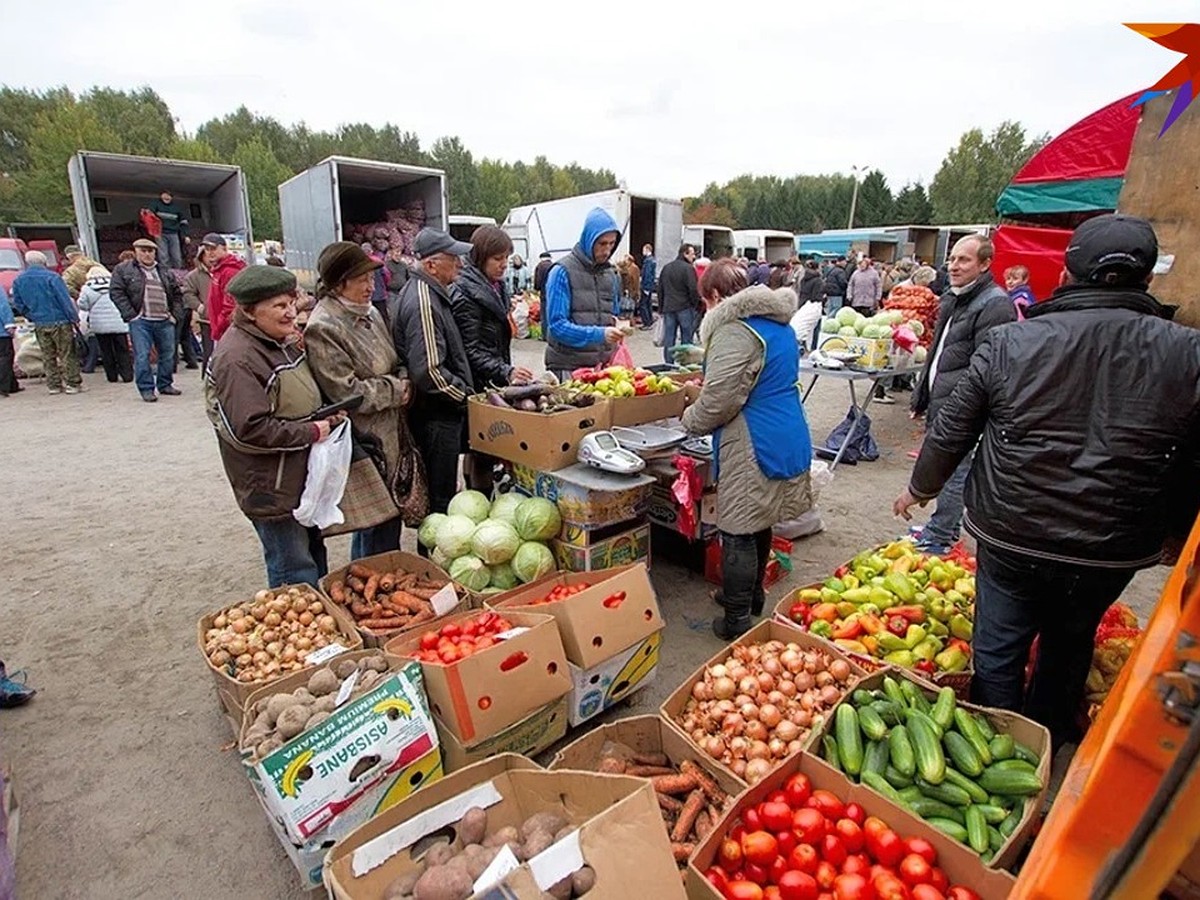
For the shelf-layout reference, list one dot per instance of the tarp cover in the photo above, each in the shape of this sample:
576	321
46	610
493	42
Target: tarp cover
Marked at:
1095	147
1041	250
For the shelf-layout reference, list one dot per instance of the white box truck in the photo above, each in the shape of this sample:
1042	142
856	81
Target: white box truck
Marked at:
555	226
773	246
711	241
462	227
109	190
318	206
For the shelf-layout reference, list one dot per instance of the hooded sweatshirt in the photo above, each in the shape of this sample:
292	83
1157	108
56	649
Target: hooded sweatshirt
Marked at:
579	300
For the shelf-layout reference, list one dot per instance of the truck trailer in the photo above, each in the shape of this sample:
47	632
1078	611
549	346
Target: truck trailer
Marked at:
109	190
554	226
336	198
711	241
773	246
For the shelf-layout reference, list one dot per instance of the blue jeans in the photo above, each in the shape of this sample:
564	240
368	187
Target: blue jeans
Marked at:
945	525
293	553
170	251
683	322
1021	596
160	335
646	309
833	304
382	538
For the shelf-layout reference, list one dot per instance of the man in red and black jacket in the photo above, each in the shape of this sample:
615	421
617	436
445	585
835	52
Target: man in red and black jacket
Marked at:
222	266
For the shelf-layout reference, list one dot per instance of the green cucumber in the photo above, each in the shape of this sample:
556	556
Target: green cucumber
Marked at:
943	709
892	690
888	711
995	839
985	726
896	778
849	739
1023	752
878	783
977	835
875	757
901	752
993	815
1013	765
909	794
830	747
861	698
1010	782
872	723
931	762
950	827
916	697
1009	825
1002	746
969	728
947	793
910	714
927	807
974	791
960	751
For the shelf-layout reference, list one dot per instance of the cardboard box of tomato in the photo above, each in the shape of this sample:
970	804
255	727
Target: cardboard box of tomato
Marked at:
485	671
804	830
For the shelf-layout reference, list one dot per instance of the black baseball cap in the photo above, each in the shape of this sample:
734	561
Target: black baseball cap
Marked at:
1113	249
212	239
431	242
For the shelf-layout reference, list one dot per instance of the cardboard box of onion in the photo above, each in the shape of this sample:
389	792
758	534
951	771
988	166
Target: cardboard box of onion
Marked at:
761	700
504	828
611	631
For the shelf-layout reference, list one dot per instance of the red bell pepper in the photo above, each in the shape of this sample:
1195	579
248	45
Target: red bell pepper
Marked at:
914	613
925	665
800	612
847	629
960	644
871	623
897	625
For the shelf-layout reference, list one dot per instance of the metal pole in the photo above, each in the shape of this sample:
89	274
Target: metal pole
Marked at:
853	203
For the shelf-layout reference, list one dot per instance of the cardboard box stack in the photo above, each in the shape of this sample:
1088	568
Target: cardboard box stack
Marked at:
611	632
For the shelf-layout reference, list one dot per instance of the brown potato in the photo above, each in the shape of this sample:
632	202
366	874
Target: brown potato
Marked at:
343	669
583	881
323	682
561	890
473	826
292	721
549	822
506	835
316	719
402	887
535	844
375	664
443	883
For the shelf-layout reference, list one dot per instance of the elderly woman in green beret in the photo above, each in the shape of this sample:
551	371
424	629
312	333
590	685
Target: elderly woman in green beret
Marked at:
260	393
352	354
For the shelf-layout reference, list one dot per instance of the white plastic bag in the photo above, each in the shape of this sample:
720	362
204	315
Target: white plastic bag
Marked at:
520	316
328	469
657	333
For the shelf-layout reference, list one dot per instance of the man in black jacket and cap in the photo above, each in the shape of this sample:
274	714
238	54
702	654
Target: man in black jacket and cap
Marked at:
429	344
1088	469
679	300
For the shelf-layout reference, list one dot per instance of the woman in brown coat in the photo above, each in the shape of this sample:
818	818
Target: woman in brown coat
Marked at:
351	353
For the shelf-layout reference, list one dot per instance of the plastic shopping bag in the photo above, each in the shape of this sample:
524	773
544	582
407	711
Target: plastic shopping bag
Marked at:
328	469
657	332
622	356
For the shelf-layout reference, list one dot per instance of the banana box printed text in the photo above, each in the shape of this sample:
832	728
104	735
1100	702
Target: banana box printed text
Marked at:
596	689
311	780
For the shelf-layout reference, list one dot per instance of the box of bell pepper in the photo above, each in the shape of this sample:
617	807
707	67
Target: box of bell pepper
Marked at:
895	606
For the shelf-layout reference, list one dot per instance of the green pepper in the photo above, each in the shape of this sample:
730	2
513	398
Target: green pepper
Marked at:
937	628
956	598
830	596
941	609
900	586
889	641
927	649
835	584
869	609
961	627
902	658
858	595
914	635
821	628
951	660
881	596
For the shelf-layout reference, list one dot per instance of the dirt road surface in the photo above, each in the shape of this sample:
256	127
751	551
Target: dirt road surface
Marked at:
122	531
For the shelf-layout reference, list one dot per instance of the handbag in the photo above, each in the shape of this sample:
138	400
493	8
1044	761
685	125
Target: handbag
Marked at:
325	481
81	343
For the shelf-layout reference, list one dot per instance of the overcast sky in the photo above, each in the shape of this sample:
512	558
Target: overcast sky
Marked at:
668	100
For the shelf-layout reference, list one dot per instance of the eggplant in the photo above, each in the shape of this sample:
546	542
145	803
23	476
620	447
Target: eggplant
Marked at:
518	392
582	401
527	405
494	399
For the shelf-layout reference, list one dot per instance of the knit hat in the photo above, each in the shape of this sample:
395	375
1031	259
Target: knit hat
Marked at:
71	249
341	260
255	283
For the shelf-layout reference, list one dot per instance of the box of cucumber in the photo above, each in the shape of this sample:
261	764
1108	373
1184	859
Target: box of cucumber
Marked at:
979	775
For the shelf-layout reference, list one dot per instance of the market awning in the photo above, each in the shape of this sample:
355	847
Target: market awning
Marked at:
1041	250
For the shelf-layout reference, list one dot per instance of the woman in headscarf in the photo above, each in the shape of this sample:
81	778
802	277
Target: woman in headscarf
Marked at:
105	322
481	298
351	353
762	449
195	287
260	395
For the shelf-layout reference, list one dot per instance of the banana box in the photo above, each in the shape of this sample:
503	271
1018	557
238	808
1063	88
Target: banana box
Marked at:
596	689
373	742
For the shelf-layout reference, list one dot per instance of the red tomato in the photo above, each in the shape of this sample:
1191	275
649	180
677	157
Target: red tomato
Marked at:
717	878
804	859
853	887
798	789
915	870
872	825
738	832
787	842
771	892
797	886
885	847
760	848
484	642
850	833
777	870
857	864
826	873
809	826
828	804
939	880
470	629
926	892
752	820
855	813
450	629
775	816
922	848
730	854
833	850
448	655
754	873
958	892
889	887
429	640
743	890
776	797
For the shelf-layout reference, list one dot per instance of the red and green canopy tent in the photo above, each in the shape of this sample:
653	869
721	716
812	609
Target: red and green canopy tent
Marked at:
1079	174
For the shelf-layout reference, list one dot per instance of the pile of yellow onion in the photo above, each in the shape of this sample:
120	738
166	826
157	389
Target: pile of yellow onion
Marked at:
757	707
271	635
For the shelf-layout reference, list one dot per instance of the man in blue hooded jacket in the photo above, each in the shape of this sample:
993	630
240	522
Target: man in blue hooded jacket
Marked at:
580	328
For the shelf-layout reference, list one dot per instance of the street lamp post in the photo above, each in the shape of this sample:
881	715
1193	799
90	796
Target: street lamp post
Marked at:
854	170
